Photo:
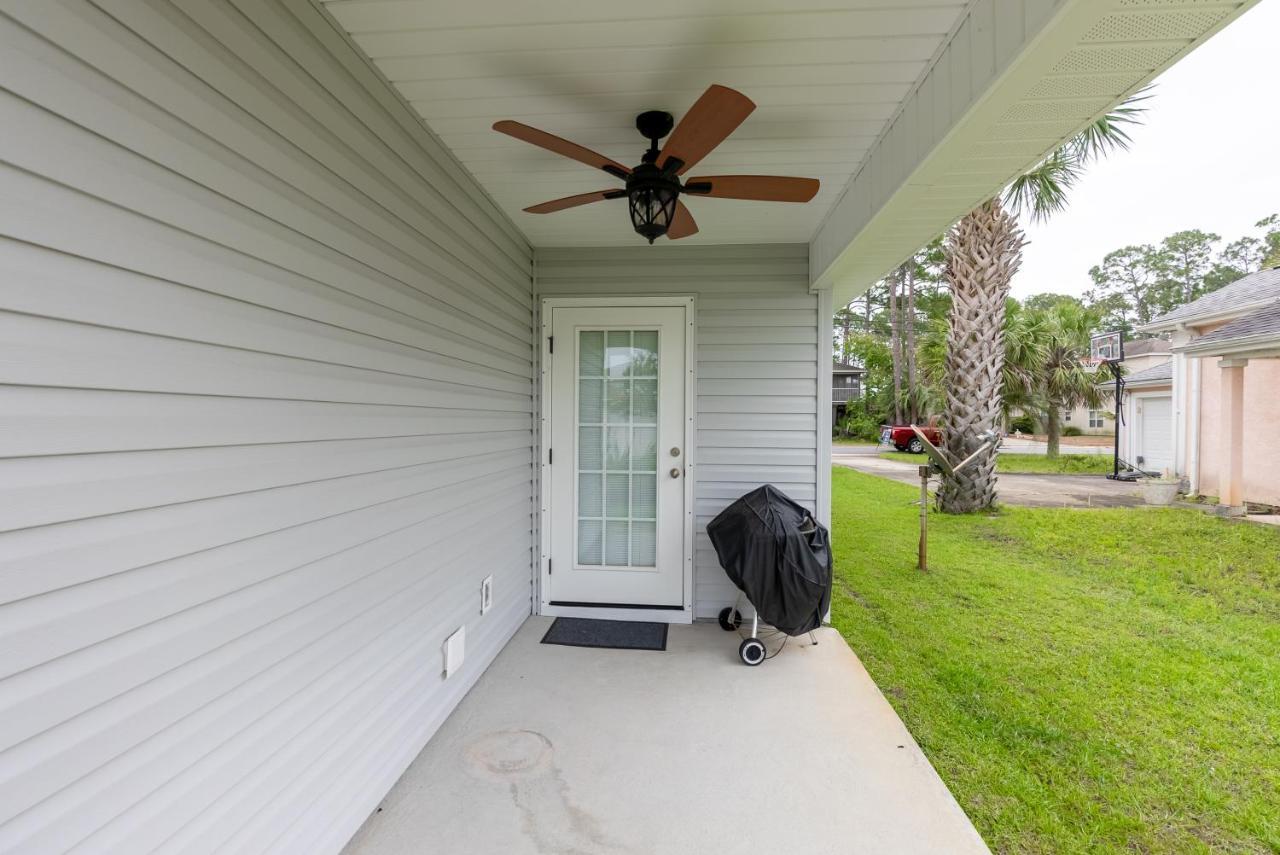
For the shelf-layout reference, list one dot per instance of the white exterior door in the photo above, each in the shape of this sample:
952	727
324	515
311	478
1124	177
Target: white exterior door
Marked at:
616	436
1155	433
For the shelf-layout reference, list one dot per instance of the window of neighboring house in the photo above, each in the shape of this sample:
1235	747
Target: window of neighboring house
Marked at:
1066	415
1096	419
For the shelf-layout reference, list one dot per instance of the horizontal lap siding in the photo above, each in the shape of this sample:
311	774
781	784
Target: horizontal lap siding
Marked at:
756	367
265	424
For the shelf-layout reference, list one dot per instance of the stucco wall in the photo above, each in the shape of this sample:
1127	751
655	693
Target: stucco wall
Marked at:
1261	441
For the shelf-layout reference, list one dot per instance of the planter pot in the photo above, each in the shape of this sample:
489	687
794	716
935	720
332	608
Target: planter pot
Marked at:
1160	492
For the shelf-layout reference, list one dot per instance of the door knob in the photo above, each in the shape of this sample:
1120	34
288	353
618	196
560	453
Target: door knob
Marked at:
675	471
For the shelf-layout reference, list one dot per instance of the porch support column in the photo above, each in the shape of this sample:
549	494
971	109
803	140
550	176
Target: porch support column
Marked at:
1231	439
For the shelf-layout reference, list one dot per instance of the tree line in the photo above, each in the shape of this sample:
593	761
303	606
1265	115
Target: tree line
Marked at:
898	331
1136	283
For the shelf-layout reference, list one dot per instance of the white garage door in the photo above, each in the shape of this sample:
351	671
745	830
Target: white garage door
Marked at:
1155	433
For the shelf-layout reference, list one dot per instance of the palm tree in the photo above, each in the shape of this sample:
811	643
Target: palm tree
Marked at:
1062	380
984	250
1024	353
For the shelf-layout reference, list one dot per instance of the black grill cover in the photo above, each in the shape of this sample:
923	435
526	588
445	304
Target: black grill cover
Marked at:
778	555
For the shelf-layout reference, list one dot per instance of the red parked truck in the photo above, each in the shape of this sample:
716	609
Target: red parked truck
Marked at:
903	438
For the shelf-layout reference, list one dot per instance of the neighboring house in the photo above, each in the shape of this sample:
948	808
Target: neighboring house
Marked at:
289	376
846	386
1091	421
1222	390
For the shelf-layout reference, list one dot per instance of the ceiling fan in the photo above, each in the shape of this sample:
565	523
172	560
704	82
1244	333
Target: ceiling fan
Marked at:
653	188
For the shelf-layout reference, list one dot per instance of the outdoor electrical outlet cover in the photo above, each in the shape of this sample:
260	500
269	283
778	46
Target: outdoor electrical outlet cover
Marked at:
454	650
486	594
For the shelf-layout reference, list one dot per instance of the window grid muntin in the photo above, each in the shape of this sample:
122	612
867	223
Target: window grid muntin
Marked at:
616	539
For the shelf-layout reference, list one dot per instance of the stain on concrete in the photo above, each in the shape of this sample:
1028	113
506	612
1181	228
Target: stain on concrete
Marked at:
509	755
524	760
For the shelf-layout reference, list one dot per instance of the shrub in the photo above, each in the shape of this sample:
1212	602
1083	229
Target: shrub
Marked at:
1072	430
859	426
1024	424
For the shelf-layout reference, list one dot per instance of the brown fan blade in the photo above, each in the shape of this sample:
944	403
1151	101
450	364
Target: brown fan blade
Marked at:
574	201
682	224
762	188
712	117
562	147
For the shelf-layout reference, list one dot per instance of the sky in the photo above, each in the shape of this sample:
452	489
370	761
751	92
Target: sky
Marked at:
1206	157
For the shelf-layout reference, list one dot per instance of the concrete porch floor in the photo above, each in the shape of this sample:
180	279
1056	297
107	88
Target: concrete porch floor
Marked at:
583	751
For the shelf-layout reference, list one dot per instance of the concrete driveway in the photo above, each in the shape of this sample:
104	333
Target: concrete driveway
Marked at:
1032	491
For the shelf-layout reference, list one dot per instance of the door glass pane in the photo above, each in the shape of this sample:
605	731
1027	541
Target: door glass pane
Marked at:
617	479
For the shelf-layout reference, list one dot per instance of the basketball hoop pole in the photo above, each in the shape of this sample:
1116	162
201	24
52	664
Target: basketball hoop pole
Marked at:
1115	445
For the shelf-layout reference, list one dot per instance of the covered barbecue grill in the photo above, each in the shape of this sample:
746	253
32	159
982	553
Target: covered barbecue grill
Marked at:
779	556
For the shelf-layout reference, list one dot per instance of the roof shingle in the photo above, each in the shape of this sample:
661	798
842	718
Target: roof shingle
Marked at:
1156	373
1254	288
1263	322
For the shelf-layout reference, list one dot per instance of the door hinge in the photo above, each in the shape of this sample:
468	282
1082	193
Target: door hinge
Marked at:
550	455
551	344
548	566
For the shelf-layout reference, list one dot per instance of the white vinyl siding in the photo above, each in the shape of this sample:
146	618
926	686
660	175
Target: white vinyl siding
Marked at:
756	367
265	424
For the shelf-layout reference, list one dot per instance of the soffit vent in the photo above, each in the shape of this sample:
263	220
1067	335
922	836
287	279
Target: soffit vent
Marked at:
1035	130
1093	85
1007	149
1164	4
1155	25
1034	111
1141	58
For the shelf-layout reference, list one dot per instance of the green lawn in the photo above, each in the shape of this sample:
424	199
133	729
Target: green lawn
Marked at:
1083	680
1074	464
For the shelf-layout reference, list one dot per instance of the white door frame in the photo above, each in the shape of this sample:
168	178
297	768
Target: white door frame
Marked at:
542	593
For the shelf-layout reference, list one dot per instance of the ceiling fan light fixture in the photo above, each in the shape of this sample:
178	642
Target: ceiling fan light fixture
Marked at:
651	196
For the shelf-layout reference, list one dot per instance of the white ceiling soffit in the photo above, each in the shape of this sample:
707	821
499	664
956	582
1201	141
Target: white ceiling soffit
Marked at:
827	78
1016	79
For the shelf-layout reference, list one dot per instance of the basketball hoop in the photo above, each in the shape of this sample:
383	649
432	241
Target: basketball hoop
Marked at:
1106	347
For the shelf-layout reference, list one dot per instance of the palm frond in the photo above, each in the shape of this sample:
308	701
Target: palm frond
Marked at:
1107	133
1042	190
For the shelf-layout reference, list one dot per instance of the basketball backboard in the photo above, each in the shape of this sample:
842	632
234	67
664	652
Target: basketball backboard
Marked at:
1107	347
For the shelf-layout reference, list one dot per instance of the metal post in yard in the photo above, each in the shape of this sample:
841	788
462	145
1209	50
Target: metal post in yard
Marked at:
923	562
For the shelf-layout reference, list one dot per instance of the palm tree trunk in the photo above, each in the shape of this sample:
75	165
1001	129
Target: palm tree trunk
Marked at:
1053	427
895	342
910	345
984	250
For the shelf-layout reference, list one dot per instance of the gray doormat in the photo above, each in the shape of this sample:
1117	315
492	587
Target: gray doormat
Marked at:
615	634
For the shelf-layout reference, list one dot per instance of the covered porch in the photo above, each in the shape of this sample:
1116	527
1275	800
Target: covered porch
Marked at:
277	353
567	749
